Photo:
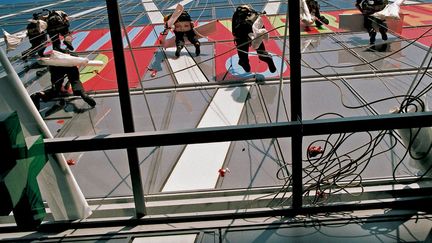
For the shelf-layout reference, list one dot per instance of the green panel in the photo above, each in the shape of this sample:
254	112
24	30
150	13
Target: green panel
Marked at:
19	169
11	137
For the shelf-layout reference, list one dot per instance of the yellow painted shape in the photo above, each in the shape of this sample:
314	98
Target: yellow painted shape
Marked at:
276	21
413	18
226	23
87	72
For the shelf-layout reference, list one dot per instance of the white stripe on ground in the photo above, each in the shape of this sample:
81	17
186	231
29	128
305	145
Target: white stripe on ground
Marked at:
33	9
153	12
185	61
71	16
184	2
86	12
198	165
272	7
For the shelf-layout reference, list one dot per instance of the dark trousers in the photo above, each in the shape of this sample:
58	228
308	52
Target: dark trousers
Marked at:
38	44
368	24
72	73
243	49
55	33
191	36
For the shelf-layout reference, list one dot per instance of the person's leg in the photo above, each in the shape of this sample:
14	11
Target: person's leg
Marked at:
41	44
243	53
55	40
57	79
383	28
78	89
263	55
368	26
67	38
192	37
179	40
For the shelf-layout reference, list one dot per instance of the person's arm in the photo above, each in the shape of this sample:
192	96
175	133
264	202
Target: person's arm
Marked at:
358	5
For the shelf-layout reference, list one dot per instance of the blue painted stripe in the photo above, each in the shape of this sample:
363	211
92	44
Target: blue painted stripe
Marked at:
170	35
132	34
77	40
101	42
152	37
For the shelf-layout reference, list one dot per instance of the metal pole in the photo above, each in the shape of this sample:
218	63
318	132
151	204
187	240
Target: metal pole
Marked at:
125	104
295	93
56	181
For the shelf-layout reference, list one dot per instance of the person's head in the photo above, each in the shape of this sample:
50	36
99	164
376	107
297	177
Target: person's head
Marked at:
244	8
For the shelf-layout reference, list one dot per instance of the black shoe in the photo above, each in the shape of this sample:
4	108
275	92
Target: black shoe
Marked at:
384	36
372	36
68	45
324	20
245	66
197	49
177	53
36	99
89	100
271	66
318	24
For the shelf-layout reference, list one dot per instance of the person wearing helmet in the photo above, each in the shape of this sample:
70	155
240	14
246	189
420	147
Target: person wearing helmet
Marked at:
183	26
242	21
58	25
37	36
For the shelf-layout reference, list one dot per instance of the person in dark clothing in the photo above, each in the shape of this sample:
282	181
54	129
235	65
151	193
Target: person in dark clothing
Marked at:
314	9
58	25
242	21
183	26
37	37
369	7
58	75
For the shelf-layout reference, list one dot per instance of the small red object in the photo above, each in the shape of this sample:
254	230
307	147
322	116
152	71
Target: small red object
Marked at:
153	73
60	122
70	162
314	151
223	171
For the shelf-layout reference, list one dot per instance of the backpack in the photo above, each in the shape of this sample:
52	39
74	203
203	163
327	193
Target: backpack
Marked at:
33	29
372	6
243	16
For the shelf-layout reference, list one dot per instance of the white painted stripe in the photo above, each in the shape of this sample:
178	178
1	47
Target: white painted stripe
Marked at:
185	61
272	7
153	12
184	2
33	9
86	12
198	165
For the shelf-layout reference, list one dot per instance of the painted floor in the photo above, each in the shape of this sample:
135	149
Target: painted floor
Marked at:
339	78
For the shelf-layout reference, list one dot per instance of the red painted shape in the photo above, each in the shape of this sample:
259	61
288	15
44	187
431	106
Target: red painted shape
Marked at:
60	122
106	79
142	35
268	25
413	33
222	33
91	38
